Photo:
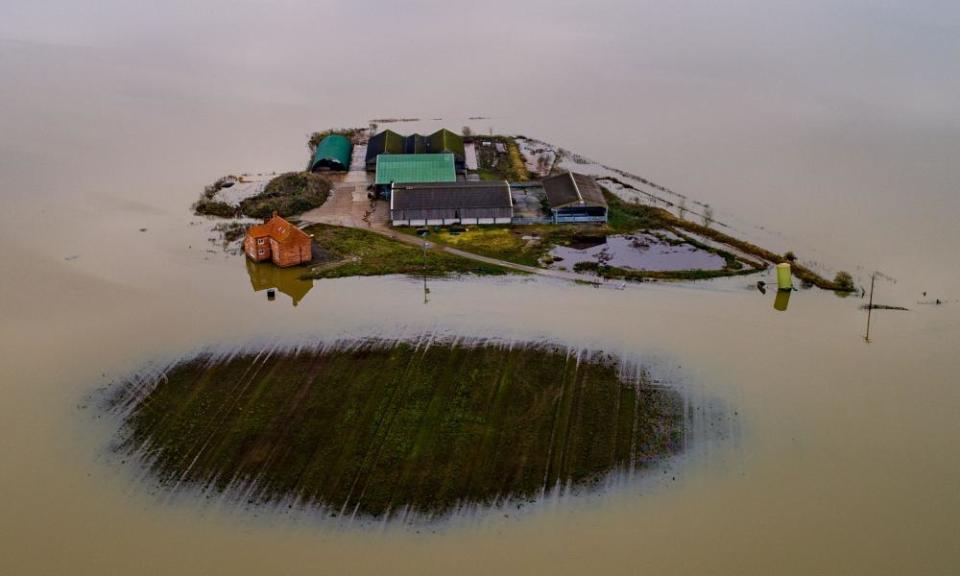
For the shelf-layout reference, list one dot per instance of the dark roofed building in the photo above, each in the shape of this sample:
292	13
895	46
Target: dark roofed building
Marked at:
451	203
444	140
440	142
386	142
575	197
415	144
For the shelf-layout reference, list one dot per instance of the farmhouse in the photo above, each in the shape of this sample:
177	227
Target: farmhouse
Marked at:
575	197
278	241
413	169
451	203
333	153
440	142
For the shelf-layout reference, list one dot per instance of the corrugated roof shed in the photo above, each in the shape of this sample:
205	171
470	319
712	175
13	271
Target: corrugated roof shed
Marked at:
415	168
333	152
572	189
458	195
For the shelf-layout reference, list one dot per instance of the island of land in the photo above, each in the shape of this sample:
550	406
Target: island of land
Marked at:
348	199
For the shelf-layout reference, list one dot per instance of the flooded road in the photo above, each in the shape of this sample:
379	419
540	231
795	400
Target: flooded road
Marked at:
839	456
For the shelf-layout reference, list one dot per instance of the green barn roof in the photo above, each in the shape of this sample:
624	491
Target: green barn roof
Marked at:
446	141
415	168
333	152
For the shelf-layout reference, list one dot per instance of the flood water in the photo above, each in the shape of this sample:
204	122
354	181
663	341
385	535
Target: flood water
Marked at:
639	252
828	128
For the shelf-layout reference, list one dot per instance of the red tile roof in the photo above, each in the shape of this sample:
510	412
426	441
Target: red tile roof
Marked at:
278	229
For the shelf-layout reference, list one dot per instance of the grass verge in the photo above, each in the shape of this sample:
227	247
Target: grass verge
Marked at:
362	253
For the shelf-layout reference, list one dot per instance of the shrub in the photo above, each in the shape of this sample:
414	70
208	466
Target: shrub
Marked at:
316	137
207	207
288	194
844	282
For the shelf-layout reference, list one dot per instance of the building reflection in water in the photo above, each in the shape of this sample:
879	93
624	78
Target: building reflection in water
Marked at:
782	300
286	280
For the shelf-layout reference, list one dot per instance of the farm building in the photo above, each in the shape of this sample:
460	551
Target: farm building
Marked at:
445	141
386	142
413	169
415	144
333	153
575	198
453	203
440	142
278	241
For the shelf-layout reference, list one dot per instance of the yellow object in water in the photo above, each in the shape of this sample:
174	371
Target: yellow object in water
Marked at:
784	278
782	301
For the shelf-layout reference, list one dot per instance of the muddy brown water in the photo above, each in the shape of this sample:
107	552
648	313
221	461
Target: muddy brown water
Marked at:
638	252
837	141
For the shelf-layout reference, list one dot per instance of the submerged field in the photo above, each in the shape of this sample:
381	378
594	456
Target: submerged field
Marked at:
377	429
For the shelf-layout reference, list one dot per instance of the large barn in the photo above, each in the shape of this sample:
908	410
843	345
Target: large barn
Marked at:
333	153
413	169
575	197
438	204
442	141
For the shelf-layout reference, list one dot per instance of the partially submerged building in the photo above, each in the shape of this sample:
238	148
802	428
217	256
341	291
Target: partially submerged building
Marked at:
413	169
574	197
278	241
332	153
440	142
438	204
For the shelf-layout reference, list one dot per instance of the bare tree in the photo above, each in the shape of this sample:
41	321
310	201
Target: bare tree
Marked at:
707	215
682	208
467	131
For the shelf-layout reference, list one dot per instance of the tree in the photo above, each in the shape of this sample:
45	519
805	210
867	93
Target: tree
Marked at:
467	131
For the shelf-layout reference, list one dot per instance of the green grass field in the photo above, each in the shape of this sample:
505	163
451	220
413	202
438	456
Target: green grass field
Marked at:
376	427
362	253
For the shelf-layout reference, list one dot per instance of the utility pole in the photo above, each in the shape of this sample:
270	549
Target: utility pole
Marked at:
873	280
426	290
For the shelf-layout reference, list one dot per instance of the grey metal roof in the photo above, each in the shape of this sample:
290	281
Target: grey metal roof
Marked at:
485	194
572	189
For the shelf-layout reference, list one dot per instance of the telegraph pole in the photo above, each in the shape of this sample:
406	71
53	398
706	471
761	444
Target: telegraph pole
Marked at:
873	280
